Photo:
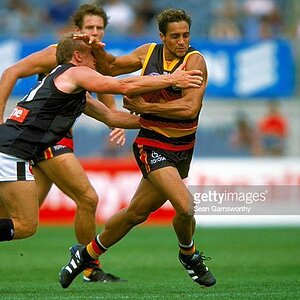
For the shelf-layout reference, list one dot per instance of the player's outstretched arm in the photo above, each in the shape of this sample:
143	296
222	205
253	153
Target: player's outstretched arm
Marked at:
112	118
117	135
76	79
39	62
108	64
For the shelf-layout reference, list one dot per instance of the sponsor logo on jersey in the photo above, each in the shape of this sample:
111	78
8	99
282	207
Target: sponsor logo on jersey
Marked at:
19	114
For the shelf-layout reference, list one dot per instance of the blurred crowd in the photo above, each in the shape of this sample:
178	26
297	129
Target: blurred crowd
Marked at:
214	19
267	137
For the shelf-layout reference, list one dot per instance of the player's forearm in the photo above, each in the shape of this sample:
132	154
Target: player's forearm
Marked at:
108	67
122	119
104	61
143	84
108	100
112	118
173	110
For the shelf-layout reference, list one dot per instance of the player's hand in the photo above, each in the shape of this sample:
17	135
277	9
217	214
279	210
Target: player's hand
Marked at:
88	96
135	104
118	136
89	40
187	79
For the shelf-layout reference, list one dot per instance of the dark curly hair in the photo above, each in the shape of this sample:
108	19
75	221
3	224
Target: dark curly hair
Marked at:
89	9
171	15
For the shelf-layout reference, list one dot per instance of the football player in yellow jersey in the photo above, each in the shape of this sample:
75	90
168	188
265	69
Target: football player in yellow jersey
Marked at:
163	148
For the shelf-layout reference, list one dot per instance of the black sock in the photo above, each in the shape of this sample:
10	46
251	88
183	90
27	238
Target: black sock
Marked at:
7	230
85	256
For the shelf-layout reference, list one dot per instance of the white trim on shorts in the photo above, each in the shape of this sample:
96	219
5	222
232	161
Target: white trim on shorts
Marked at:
13	168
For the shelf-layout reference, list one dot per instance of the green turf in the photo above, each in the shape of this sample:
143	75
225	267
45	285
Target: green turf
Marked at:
253	263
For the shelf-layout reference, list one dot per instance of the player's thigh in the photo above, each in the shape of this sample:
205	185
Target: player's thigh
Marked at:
43	183
147	198
67	173
168	181
3	211
19	199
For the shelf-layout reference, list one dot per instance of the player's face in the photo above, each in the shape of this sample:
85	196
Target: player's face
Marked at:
88	59
177	40
93	26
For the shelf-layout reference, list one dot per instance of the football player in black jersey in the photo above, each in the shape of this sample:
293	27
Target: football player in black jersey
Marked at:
91	20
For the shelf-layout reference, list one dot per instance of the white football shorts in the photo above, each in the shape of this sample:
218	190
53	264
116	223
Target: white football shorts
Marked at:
13	168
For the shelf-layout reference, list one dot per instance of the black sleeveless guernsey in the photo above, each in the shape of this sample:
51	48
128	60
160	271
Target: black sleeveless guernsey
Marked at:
41	118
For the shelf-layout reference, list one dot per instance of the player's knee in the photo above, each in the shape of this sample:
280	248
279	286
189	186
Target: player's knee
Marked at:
182	218
92	201
88	201
134	217
185	211
26	229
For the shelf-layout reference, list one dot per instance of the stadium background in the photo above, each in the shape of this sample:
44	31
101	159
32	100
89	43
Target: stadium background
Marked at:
252	62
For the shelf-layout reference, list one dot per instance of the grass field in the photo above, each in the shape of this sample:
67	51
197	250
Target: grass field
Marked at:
253	263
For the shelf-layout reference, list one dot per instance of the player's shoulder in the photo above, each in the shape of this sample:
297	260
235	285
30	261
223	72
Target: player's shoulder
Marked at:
143	49
192	51
82	71
194	54
141	52
51	48
49	53
195	60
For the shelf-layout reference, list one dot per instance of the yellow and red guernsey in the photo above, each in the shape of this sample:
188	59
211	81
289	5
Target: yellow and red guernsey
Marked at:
161	132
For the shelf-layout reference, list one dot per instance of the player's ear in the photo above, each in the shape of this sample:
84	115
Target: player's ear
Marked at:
77	55
162	36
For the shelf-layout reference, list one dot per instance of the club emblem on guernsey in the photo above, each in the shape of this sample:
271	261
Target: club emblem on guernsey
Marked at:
154	74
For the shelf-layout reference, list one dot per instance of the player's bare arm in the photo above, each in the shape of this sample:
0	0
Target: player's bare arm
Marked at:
186	107
78	78
108	100
39	62
110	117
117	135
108	64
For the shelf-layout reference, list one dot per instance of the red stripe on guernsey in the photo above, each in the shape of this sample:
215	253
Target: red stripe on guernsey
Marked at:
66	142
162	145
148	123
48	153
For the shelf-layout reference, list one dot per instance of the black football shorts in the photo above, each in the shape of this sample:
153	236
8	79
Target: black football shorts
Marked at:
51	152
150	159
